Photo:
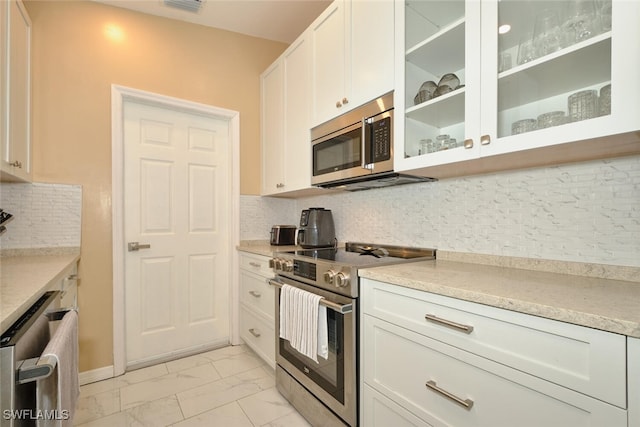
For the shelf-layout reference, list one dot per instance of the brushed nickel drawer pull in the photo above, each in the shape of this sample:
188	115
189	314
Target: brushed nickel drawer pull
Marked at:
255	294
457	326
254	332
465	403
254	264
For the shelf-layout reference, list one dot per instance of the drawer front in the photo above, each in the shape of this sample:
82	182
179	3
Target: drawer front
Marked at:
446	386
583	359
380	411
257	293
256	264
259	334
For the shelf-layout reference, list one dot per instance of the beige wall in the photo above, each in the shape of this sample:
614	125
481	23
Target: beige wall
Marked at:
74	64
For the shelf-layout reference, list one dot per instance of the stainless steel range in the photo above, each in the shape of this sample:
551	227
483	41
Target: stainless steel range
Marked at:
326	393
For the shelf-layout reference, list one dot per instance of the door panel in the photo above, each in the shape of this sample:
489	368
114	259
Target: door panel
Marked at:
202	269
157	285
202	198
156	199
176	196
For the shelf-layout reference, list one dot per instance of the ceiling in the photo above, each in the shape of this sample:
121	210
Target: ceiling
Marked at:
279	20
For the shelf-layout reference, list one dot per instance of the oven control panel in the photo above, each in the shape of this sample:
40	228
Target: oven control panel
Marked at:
339	279
332	277
304	269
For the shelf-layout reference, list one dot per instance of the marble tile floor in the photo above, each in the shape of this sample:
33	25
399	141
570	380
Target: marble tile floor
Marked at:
230	387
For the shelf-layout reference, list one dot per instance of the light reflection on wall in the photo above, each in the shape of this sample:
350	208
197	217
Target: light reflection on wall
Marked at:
114	33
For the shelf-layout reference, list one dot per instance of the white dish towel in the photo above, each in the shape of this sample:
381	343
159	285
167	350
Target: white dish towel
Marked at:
303	322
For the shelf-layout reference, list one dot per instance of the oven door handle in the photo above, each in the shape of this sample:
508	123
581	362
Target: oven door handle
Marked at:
340	308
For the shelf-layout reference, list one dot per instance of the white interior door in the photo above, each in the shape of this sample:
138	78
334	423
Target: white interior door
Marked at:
176	194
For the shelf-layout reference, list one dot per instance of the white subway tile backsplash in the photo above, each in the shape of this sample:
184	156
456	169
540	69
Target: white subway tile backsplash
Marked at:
44	215
585	212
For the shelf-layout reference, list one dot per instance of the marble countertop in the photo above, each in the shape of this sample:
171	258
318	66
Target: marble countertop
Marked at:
262	247
23	279
600	303
597	296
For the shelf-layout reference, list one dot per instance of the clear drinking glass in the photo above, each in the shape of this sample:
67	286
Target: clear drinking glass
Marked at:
581	20
442	142
604	103
526	52
522	126
583	105
504	62
552	118
546	33
603	9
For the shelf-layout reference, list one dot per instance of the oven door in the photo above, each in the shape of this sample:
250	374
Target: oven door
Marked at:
332	381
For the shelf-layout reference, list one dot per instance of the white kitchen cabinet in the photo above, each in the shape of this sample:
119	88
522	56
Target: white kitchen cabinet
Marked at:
272	128
286	109
352	49
15	92
440	37
470	364
68	287
257	306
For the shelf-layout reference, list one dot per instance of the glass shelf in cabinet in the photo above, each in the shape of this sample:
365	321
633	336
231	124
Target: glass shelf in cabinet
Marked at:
570	69
441	53
424	19
440	112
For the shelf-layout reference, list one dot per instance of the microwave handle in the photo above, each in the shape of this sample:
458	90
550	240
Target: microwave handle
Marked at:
365	165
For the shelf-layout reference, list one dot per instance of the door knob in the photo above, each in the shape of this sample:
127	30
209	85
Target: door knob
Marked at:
134	246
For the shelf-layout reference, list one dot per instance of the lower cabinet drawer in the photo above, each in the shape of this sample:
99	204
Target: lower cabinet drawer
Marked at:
257	293
259	334
255	263
583	359
379	411
444	385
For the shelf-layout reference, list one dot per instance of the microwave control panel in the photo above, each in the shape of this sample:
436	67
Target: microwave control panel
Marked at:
381	139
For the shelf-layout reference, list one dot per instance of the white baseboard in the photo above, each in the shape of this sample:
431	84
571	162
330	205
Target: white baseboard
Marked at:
94	375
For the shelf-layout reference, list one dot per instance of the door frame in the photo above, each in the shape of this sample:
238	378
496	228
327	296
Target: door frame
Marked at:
120	94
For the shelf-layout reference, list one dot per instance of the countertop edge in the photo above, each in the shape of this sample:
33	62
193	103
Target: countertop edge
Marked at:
506	300
15	312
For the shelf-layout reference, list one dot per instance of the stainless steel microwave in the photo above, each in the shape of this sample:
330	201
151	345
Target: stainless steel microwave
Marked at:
357	143
355	150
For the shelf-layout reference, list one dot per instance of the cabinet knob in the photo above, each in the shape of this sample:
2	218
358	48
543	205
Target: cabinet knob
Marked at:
16	164
281	185
338	104
254	332
485	140
468	143
345	101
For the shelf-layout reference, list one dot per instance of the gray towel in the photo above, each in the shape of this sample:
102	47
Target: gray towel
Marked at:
57	394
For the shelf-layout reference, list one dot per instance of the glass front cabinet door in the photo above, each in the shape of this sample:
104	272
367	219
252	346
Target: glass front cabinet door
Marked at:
536	83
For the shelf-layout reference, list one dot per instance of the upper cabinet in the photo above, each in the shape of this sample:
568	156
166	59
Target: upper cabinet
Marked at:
352	56
557	83
286	110
15	92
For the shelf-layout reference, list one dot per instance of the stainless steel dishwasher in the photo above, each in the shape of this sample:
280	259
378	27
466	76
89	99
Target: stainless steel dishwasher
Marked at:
20	363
